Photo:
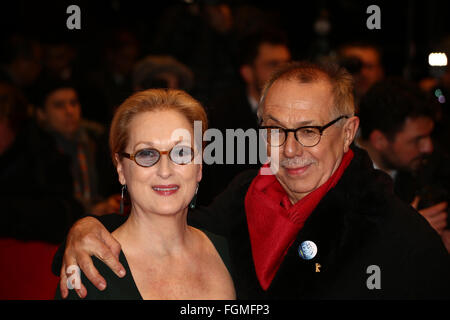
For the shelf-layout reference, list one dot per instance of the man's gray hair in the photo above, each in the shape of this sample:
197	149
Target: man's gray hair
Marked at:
308	72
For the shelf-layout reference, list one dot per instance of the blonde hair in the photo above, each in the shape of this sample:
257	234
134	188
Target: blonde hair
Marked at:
152	100
307	72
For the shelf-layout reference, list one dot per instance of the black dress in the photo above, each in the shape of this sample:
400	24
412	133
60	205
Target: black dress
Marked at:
125	288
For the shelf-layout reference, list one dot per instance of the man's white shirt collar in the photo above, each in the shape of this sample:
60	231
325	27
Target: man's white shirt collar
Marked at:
253	103
392	173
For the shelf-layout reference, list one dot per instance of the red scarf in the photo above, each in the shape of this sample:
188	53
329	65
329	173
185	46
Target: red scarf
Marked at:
273	222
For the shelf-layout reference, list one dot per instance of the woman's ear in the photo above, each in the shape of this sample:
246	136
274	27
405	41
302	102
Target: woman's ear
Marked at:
119	168
200	173
350	129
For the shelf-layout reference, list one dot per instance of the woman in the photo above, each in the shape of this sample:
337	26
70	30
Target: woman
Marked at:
164	258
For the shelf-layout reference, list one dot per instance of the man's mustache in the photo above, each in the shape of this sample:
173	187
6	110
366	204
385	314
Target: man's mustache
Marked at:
296	162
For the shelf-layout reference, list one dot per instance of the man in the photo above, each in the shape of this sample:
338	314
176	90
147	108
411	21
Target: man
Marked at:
111	83
363	60
34	179
58	112
260	54
397	121
325	225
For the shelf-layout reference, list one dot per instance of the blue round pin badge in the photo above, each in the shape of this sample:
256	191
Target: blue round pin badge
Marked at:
307	250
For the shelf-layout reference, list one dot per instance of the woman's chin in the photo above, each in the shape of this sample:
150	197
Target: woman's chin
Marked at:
167	209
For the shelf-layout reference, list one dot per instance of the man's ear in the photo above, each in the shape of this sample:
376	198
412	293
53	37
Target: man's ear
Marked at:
378	140
350	128
119	168
246	73
40	115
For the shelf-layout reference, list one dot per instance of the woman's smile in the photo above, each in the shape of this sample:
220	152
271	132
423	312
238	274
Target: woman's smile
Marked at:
166	190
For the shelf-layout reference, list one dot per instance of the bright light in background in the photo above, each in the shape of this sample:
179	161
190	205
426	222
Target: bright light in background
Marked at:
437	59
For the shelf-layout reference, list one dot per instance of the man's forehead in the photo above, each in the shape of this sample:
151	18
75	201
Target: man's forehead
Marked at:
62	93
363	53
297	88
291	117
291	101
267	49
418	126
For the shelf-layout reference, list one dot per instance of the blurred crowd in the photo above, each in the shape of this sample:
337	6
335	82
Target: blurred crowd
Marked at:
55	112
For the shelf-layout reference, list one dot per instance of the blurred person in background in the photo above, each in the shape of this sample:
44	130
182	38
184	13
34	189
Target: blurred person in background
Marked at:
21	62
161	71
63	61
82	142
437	83
364	61
397	121
200	35
260	54
37	205
58	59
112	82
35	181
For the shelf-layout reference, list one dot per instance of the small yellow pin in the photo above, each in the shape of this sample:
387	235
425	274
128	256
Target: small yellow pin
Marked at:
318	266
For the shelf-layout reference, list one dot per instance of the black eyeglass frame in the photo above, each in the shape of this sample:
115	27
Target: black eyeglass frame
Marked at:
160	153
320	128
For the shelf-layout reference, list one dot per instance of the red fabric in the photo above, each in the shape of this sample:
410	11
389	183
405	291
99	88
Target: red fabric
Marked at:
25	270
273	222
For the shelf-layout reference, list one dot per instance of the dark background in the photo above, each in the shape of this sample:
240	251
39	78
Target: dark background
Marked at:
409	29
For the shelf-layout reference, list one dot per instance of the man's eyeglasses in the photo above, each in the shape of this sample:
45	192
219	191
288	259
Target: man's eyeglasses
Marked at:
307	136
179	154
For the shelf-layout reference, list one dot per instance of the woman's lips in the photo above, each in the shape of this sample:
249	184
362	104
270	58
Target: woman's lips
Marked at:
166	190
297	171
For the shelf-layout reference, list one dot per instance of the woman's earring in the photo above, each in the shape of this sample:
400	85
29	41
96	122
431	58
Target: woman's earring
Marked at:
194	199
124	189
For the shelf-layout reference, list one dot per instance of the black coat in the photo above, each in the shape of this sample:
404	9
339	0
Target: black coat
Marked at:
431	182
229	110
36	189
357	224
36	186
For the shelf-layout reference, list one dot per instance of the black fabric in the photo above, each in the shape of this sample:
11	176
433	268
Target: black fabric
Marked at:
359	223
229	110
431	182
37	186
117	288
36	189
110	221
232	110
125	288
